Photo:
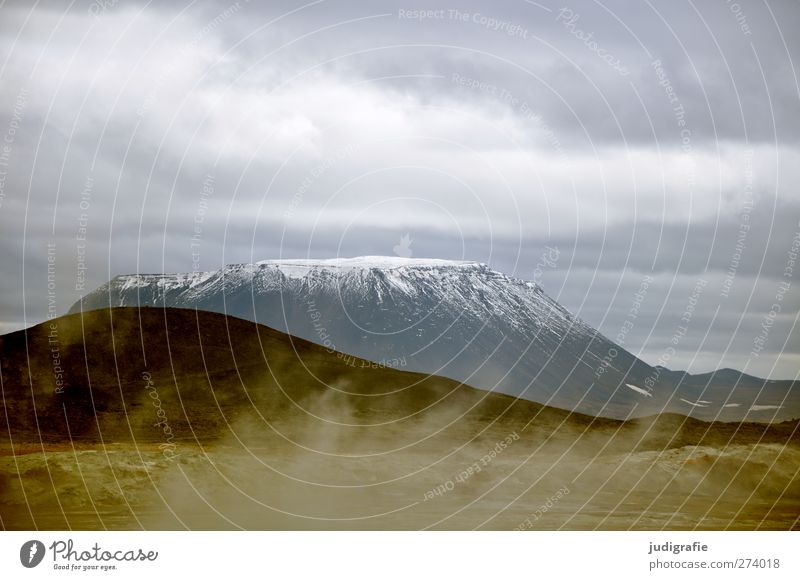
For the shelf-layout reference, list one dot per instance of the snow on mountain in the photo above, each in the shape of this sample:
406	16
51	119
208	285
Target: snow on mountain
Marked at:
463	320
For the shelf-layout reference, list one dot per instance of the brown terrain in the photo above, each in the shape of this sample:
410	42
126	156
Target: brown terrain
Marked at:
156	418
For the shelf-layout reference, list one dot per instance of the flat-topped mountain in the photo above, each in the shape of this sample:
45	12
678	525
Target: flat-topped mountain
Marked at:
462	320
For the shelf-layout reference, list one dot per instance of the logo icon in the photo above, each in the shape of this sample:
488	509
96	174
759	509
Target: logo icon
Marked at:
403	249
31	553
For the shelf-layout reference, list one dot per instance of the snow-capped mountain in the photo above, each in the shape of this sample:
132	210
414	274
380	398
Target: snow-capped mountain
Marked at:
462	320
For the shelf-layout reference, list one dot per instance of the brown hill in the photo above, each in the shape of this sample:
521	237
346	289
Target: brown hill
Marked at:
174	419
150	374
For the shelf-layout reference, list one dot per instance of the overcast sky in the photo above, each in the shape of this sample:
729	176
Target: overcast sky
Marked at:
655	143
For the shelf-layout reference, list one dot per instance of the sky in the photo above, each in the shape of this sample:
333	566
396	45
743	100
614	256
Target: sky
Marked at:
640	160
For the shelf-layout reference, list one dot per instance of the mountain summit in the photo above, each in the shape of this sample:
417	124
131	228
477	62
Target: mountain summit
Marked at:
459	319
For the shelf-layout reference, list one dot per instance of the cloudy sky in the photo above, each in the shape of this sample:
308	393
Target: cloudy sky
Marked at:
653	149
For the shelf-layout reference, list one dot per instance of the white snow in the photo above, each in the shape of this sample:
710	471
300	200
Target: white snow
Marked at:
300	267
418	294
163	281
640	390
697	404
467	287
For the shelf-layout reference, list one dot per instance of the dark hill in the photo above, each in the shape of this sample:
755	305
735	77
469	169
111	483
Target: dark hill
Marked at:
127	374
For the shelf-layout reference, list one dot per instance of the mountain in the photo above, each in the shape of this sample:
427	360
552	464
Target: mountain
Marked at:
156	418
107	374
461	320
111	375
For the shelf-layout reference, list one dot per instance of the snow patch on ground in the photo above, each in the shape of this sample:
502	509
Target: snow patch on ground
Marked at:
639	390
697	403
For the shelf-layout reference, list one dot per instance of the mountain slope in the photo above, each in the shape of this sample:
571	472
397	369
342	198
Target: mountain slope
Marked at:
461	320
106	374
114	374
168	418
